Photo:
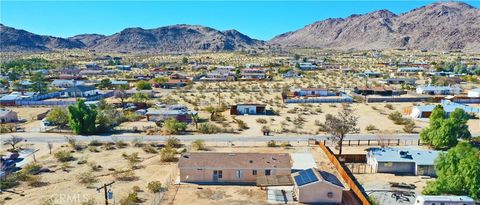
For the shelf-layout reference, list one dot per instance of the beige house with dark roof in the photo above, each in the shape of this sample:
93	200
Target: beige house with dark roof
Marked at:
236	168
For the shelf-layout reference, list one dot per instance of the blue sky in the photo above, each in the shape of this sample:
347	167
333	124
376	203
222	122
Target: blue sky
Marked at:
258	19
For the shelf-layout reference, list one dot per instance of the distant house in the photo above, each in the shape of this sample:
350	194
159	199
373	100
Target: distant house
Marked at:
291	74
312	186
315	95
7	116
311	92
92	66
10	99
402	161
119	82
372	74
253	74
178	112
424	111
80	91
474	93
438	90
220	74
401	81
124	67
410	70
307	66
174	83
328	66
248	109
379	90
233	168
66	83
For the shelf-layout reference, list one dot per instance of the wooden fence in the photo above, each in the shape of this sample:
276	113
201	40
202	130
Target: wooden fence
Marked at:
347	176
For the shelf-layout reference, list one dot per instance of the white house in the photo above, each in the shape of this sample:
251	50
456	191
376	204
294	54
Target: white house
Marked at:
312	186
311	91
474	93
307	66
80	91
66	83
438	90
249	109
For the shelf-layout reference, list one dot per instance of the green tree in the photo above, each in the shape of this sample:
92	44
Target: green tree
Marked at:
458	172
445	132
105	83
58	116
143	85
140	97
340	125
184	60
38	83
107	117
172	126
81	118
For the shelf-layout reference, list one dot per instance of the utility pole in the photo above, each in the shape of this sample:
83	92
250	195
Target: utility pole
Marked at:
104	187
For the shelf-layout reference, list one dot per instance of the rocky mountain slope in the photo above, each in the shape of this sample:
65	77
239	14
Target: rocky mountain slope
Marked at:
438	26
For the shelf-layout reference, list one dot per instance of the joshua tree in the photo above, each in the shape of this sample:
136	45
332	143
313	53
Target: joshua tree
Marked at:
340	125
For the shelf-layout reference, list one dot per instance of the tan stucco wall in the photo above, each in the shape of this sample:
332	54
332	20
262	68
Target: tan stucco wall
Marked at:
229	175
318	193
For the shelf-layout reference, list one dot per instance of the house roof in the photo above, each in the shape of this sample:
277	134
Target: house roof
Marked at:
235	160
431	87
4	112
420	157
312	175
80	88
448	107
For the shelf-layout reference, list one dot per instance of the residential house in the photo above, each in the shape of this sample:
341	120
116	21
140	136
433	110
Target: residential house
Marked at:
178	112
311	92
401	81
248	109
124	67
220	74
474	93
8	100
8	116
307	66
80	91
424	111
291	74
253	74
234	168
407	70
402	161
328	66
438	90
313	186
92	66
378	90
315	95
61	83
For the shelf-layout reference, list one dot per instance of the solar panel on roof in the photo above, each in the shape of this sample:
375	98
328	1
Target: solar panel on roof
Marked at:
305	177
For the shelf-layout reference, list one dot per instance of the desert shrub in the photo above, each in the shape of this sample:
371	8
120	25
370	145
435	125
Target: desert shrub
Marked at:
130	199
371	128
154	186
74	144
262	120
35	181
64	156
124	175
241	124
397	118
86	178
172	126
409	126
173	142
133	160
94	166
136	188
167	154
121	144
92	149
32	168
389	106
198	145
208	128
271	143
95	143
149	149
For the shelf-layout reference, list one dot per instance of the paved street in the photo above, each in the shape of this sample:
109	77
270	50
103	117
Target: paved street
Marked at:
54	137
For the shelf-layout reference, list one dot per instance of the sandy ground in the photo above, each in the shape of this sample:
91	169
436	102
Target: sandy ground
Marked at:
63	186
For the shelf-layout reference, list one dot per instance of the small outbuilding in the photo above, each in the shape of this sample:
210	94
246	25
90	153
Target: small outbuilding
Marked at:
8	116
313	186
248	109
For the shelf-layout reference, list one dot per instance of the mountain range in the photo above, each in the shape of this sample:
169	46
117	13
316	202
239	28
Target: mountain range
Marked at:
437	26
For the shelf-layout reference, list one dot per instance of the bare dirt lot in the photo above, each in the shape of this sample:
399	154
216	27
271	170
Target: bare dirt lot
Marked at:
62	185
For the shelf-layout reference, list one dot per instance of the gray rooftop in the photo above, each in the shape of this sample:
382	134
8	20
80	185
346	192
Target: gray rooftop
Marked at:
419	157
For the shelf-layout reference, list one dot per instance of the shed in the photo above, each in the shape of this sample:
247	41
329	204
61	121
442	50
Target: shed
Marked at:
7	116
315	186
248	108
